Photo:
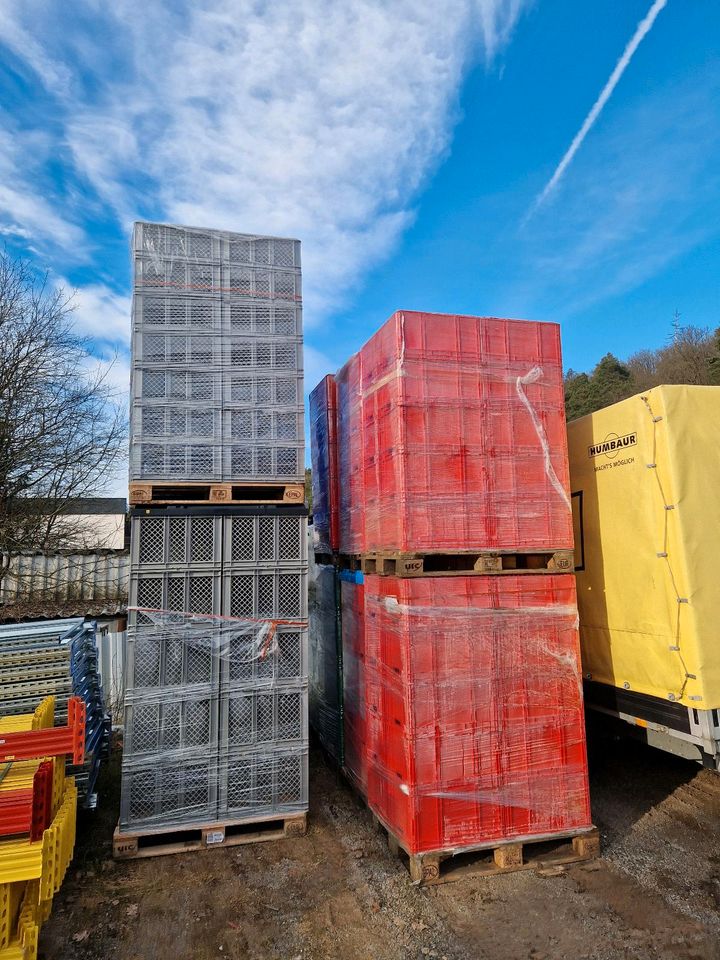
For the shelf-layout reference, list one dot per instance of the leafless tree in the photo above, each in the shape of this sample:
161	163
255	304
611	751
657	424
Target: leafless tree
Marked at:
61	431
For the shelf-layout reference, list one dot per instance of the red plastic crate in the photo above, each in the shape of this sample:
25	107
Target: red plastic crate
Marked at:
471	702
451	435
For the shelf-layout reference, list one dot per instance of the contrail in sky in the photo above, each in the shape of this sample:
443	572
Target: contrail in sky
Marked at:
642	31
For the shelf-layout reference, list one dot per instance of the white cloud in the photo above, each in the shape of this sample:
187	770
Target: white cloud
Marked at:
101	313
313	118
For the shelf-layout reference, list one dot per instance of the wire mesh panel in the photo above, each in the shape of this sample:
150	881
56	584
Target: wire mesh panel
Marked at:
255	783
166	721
171	539
265	539
263	716
275	594
162	793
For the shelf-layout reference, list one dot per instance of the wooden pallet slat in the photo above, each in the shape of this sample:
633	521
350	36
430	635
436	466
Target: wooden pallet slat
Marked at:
179	838
164	492
461	563
427	869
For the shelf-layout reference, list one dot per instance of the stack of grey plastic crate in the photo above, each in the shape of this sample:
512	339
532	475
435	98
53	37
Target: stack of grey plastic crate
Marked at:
216	723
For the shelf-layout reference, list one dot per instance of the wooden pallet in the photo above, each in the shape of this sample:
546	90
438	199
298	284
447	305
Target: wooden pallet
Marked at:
161	492
540	853
400	564
229	833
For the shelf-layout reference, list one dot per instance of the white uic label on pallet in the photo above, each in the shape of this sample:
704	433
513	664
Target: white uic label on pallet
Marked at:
214	836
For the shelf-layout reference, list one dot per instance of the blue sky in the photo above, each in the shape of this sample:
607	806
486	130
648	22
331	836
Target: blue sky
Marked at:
405	148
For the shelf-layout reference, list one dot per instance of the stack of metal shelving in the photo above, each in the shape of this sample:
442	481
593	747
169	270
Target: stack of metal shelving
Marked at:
216	702
57	658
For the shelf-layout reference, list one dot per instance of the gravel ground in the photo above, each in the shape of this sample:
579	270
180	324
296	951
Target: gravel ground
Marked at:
338	892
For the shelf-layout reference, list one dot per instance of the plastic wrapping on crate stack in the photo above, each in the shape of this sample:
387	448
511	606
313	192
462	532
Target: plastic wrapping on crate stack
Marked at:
323	445
325	688
451	436
216	719
467	720
217	360
354	678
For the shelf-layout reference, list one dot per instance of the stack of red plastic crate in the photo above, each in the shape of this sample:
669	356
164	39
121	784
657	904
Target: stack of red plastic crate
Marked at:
463	714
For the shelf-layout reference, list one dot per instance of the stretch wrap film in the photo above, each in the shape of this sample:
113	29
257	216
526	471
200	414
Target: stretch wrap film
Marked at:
325	660
217	359
216	719
323	444
451	436
463	707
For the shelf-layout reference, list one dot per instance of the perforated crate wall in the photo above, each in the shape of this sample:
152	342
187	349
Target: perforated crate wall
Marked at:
265	539
248	317
252	388
176	461
165	793
194	243
184	540
256	354
254	783
155	313
260	659
189	592
193	351
171	655
181	721
264	460
264	716
272	594
177	422
160	386
261	282
175	275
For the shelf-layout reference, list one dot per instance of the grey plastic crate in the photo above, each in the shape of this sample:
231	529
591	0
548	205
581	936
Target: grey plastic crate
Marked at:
249	657
175	276
168	655
184	540
168	240
255	460
175	589
177	461
265	540
176	421
267	716
262	251
197	243
279	593
260	356
263	425
153	385
182	351
261	283
263	782
164	792
246	317
175	720
155	313
253	387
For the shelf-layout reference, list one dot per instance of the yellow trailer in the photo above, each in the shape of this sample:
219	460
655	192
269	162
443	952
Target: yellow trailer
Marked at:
645	478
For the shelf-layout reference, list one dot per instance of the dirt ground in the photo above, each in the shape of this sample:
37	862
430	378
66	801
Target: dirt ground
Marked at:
338	892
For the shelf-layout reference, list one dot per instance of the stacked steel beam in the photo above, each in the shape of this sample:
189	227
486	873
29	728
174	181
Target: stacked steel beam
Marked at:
462	712
57	658
216	702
